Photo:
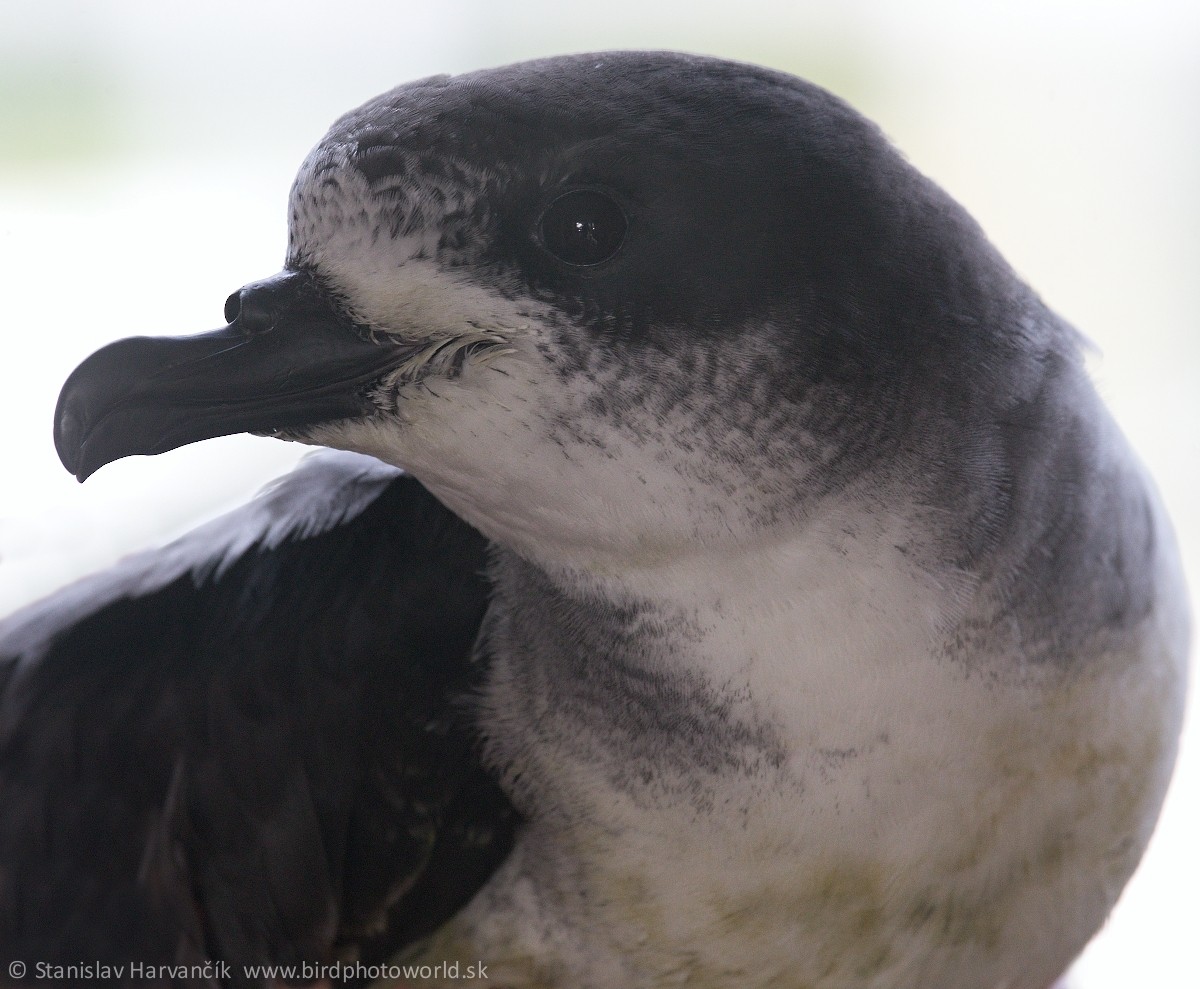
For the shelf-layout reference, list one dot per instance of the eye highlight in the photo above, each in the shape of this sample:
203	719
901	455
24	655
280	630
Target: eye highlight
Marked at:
583	227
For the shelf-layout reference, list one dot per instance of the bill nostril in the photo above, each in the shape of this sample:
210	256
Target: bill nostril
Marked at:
251	309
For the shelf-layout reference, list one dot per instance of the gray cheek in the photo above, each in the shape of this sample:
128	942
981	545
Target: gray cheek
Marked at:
716	417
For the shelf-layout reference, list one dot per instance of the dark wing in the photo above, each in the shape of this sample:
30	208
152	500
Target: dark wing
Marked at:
255	745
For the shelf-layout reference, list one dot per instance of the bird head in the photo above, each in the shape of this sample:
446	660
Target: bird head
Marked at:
604	303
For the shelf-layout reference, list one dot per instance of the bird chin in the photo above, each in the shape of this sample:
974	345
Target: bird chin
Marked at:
301	434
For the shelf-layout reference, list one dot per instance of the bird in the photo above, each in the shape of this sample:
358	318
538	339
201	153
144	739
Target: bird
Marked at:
724	575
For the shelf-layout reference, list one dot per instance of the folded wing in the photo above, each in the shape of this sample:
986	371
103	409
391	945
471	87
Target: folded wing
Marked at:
255	745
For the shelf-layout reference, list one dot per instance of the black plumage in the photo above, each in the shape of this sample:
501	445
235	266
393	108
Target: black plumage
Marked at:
270	762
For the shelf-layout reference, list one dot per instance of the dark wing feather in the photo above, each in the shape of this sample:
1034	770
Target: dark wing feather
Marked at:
265	757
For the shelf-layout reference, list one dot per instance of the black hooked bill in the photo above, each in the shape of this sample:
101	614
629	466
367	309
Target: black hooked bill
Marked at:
287	359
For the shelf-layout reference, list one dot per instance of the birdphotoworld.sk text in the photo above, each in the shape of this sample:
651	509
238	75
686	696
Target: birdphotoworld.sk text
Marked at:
220	971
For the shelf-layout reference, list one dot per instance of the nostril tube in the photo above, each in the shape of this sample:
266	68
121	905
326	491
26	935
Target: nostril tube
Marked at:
252	309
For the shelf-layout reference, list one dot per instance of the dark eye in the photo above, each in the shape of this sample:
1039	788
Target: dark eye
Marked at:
583	227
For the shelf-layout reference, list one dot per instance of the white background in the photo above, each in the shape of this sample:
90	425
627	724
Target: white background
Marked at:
146	151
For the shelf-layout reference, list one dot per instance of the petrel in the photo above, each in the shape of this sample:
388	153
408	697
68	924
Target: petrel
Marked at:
732	578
